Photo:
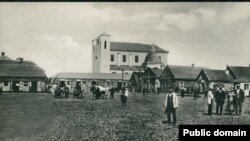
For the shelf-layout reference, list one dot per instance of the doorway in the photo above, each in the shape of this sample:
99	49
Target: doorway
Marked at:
34	86
119	85
15	86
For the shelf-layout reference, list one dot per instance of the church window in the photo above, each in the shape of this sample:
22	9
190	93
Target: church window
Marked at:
112	57
105	44
136	59
124	58
160	58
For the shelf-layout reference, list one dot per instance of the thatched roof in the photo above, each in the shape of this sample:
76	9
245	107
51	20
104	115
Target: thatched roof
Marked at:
97	76
217	75
19	68
238	71
181	72
243	79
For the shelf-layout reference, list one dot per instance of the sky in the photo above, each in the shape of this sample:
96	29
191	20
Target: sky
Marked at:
205	34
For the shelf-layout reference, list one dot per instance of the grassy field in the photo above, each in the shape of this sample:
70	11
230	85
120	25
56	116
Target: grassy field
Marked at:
40	117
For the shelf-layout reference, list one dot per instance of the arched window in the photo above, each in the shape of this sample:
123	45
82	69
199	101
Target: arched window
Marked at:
124	58
105	44
160	58
136	59
112	57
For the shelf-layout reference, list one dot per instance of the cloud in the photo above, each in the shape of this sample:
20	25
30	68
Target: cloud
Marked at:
60	41
237	13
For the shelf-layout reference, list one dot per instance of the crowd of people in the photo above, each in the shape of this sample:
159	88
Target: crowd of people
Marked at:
234	98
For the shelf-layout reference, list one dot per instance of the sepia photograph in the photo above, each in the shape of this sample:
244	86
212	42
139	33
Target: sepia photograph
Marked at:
122	71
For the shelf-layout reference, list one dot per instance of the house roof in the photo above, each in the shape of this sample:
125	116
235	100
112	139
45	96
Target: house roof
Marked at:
157	72
104	76
3	57
182	72
134	47
239	71
217	75
136	76
243	79
125	68
12	68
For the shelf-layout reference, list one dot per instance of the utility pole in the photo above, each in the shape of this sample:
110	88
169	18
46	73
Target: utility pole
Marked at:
64	59
122	77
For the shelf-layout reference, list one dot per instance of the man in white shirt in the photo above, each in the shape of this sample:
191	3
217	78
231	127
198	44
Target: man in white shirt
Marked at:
210	98
171	104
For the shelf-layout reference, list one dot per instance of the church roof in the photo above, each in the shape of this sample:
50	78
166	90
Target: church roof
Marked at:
134	47
152	57
104	34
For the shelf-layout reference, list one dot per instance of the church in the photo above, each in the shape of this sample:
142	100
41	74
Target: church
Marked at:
118	57
114	62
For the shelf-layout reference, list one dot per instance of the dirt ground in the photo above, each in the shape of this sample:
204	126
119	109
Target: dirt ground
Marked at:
39	117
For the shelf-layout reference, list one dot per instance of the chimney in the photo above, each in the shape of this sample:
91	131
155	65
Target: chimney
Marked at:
20	59
193	65
3	53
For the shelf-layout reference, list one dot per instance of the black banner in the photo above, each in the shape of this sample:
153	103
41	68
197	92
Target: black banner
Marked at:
214	132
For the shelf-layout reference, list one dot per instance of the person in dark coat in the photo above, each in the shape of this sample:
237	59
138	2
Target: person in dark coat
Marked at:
112	92
239	99
196	93
1	90
220	99
122	96
182	93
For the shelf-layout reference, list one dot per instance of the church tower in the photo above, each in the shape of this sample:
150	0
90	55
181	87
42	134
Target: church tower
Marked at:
101	54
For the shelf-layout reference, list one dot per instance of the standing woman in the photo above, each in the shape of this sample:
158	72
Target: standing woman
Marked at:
231	101
125	96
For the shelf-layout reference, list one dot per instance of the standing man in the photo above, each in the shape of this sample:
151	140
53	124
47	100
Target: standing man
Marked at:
171	104
239	99
112	92
220	99
1	90
210	98
196	91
